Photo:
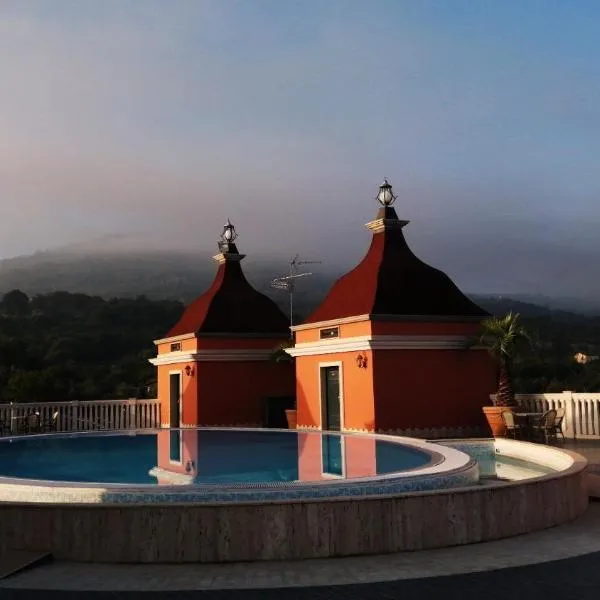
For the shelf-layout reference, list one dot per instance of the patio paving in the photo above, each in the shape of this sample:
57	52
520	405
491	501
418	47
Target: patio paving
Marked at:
588	448
575	578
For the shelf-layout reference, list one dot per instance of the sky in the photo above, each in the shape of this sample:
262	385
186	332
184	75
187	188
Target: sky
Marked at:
160	120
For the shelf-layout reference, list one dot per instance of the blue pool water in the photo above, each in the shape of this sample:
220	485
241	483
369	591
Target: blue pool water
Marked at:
204	456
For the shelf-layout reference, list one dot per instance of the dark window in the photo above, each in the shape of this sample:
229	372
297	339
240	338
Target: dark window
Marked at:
175	347
331	332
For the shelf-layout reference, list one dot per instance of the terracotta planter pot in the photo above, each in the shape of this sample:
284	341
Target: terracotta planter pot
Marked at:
493	414
291	418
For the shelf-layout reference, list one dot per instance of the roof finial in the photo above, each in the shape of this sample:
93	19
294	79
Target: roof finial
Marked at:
228	236
386	195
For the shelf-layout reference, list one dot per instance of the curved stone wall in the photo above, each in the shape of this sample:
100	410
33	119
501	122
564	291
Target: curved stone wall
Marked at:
295	529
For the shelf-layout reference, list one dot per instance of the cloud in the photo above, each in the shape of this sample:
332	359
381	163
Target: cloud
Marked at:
162	119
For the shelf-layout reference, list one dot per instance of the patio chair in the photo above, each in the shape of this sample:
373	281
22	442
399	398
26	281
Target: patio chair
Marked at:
52	423
560	415
5	428
544	426
513	427
33	423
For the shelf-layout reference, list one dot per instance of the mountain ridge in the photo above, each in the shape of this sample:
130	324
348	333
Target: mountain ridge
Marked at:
102	267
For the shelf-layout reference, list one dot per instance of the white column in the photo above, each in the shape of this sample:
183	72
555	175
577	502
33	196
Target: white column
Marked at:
569	426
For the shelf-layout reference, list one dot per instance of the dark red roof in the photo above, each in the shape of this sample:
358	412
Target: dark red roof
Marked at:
232	306
391	280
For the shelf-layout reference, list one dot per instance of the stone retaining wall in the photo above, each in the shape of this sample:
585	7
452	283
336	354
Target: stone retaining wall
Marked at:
294	529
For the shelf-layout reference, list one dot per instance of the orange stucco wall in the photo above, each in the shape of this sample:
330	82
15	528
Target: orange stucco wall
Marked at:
346	330
432	388
356	390
424	328
187	345
367	327
224	392
231	393
189	392
400	389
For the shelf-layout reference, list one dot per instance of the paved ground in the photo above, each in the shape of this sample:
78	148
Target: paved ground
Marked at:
588	448
576	578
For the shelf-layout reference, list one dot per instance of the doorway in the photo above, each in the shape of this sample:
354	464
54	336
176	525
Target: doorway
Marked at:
175	416
331	418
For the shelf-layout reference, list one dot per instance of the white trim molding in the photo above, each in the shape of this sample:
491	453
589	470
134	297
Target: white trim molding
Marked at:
212	355
379	225
331	322
383	342
223	257
175	338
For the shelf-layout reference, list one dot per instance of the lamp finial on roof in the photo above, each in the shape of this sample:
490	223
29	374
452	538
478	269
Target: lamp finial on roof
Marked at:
228	237
386	195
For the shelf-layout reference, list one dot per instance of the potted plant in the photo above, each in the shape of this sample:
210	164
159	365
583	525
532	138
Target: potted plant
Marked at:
291	416
502	336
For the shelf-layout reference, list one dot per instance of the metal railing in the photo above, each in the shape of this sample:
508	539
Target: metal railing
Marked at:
89	415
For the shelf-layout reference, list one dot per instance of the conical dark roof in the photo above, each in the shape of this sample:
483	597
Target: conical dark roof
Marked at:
231	305
391	281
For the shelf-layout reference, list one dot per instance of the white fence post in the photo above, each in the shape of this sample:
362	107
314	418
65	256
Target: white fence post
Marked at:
132	414
569	425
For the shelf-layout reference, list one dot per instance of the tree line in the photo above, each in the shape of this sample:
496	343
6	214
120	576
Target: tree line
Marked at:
70	346
63	346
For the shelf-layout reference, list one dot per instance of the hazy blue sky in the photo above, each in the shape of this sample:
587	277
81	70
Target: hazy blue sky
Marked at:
162	118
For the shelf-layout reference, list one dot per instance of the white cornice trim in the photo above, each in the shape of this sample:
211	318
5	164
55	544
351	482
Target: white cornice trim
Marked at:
211	355
379	225
175	338
223	257
332	322
391	318
382	342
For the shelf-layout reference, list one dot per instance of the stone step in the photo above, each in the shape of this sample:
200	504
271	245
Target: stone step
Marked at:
14	561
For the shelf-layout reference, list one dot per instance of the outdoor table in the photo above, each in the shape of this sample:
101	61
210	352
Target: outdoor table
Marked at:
528	420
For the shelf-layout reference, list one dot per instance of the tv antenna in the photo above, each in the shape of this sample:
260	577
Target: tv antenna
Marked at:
288	282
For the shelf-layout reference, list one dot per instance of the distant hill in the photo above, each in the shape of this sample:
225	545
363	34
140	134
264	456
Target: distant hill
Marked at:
500	305
111	272
117	267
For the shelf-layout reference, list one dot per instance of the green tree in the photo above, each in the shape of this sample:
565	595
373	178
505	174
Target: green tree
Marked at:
15	302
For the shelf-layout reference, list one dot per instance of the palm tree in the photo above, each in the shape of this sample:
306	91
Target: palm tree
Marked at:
503	336
280	354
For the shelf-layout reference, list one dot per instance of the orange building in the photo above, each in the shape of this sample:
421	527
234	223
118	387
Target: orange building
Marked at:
214	365
388	349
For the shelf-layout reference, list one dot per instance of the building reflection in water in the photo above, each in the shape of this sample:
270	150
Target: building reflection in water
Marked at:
186	456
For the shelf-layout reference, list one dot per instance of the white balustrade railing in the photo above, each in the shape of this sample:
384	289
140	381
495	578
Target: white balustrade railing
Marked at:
582	414
582	411
89	415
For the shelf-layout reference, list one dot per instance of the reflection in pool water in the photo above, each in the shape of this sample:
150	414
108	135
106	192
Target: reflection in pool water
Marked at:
205	456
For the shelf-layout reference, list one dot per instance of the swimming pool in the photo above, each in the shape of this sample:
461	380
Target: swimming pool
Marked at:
223	465
206	457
